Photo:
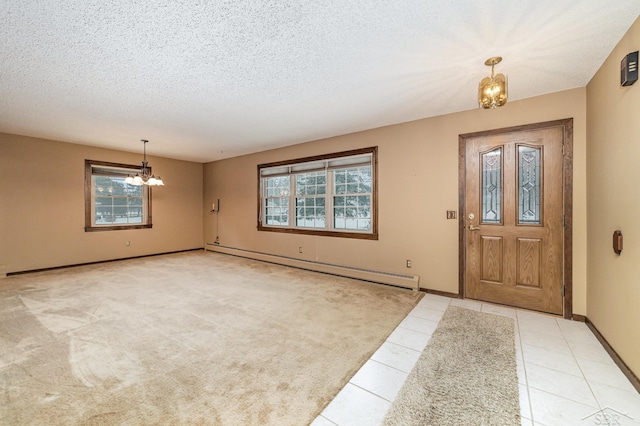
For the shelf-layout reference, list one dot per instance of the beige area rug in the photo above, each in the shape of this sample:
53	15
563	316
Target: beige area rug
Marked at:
465	376
192	338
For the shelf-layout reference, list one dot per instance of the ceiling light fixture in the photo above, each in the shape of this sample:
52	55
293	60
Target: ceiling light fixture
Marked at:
144	177
492	91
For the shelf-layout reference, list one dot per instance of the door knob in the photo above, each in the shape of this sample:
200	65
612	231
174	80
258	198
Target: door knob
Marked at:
474	228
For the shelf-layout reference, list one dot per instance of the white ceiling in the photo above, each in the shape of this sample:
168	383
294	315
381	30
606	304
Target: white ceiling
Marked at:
205	80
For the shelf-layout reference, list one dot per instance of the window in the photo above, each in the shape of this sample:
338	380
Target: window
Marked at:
311	190
277	200
112	204
333	195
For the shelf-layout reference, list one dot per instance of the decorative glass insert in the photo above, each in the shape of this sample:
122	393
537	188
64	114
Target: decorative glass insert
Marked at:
492	186
529	159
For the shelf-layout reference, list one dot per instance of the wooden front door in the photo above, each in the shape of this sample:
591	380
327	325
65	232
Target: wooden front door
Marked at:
514	217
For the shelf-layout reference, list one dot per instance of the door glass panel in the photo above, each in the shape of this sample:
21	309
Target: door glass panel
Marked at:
529	185
492	186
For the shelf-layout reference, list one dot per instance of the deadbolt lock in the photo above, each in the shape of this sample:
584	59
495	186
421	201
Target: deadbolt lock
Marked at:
472	216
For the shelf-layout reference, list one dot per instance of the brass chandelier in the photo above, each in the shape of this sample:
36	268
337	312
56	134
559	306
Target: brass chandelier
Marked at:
145	177
492	91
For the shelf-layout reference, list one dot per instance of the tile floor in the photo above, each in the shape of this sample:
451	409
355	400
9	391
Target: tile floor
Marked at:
565	375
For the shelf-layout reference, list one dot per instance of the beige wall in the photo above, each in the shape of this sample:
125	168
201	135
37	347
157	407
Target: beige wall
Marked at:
42	206
614	203
418	177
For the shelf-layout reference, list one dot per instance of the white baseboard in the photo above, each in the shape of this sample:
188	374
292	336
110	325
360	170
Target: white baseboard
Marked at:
401	280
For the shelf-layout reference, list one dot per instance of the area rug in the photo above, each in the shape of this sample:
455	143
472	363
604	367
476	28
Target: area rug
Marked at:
192	338
466	375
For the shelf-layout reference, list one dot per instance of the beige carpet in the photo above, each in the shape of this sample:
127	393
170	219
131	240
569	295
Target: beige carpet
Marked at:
192	338
465	376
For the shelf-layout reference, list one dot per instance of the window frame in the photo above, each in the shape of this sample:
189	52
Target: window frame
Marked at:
89	202
292	227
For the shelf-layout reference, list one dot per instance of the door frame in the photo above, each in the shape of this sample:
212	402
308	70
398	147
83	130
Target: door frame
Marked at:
567	201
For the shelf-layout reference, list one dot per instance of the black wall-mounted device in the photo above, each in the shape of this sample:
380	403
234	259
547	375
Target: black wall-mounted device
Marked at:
629	69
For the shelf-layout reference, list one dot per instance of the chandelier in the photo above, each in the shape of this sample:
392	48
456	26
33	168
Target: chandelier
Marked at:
492	91
144	177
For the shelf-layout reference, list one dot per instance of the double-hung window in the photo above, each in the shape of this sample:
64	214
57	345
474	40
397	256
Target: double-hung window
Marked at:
333	195
111	203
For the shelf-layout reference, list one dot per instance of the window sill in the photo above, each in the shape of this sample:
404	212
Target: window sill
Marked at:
115	227
339	234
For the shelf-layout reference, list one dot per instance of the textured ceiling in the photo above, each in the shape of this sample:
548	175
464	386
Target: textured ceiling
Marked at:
204	80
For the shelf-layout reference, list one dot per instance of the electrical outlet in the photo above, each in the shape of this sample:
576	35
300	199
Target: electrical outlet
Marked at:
408	263
127	243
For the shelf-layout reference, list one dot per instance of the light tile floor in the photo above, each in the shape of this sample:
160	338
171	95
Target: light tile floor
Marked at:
565	375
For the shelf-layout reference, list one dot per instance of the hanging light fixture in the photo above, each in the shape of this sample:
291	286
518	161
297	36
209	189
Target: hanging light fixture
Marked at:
144	177
492	91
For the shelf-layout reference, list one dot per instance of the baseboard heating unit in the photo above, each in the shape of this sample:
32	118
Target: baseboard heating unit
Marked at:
400	280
